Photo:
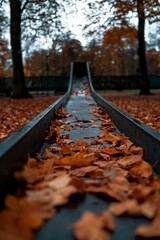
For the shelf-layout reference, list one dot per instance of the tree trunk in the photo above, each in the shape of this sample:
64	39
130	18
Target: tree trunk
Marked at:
144	81
19	88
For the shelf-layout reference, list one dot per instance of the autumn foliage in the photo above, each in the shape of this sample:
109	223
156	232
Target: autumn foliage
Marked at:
108	164
16	113
145	109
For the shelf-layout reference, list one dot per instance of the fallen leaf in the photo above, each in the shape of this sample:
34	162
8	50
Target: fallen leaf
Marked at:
60	182
119	196
128	161
61	196
142	169
81	172
90	227
149	231
65	150
110	150
110	171
112	137
81	143
133	208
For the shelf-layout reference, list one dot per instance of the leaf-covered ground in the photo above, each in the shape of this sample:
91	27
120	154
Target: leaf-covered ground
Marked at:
144	108
16	113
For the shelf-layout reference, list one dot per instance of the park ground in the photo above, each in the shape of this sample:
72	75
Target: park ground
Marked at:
16	113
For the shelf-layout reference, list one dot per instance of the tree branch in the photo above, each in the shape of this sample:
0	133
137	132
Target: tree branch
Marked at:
24	6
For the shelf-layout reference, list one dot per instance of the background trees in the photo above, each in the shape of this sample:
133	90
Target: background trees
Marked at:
28	18
120	45
5	54
121	14
144	10
112	39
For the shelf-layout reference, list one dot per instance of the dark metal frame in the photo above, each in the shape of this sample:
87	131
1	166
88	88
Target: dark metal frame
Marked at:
138	132
28	140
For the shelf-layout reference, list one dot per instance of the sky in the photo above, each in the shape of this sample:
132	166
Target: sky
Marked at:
74	21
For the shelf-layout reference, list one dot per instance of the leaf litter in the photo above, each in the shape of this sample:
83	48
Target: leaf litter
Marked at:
66	168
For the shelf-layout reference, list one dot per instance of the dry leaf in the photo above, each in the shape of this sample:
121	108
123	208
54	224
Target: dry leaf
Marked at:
65	150
61	196
132	208
112	137
110	150
81	143
149	231
106	191
60	182
143	169
129	161
90	227
81	172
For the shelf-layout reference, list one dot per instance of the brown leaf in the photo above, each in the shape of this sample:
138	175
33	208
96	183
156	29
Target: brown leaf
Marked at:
80	159
129	161
58	133
60	182
23	215
14	229
66	128
107	219
110	150
90	227
81	143
141	192
107	191
31	175
97	173
132	208
61	196
143	169
101	164
110	171
149	231
65	150
125	144
81	172
112	137
48	154
136	150
103	133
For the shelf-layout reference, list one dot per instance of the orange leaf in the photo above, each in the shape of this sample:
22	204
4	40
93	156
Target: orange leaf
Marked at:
129	161
81	172
110	150
143	169
149	231
90	227
65	150
60	182
112	137
81	143
132	208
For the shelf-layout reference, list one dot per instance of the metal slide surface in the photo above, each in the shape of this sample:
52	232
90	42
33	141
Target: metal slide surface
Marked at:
60	226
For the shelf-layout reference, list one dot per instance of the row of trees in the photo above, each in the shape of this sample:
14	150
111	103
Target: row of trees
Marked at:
31	19
117	55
